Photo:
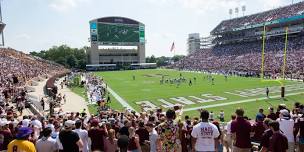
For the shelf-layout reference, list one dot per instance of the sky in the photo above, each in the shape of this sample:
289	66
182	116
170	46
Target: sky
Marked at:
34	25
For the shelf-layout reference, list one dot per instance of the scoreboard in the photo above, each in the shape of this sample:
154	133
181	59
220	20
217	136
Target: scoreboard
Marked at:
112	33
116	41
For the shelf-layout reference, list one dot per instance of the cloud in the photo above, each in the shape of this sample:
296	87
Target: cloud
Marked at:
23	36
270	4
65	5
202	6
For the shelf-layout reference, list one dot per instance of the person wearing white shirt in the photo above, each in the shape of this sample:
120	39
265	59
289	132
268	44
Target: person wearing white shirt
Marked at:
228	137
287	126
153	137
46	143
204	134
83	135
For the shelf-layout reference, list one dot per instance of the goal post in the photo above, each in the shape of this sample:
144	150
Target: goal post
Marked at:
283	68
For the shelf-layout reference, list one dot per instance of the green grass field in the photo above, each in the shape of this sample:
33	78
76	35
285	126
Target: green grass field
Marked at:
147	87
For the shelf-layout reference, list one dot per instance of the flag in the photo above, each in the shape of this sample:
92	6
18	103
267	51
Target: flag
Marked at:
172	47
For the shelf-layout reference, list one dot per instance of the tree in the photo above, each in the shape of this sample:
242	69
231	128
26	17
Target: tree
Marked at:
71	61
65	55
177	57
151	59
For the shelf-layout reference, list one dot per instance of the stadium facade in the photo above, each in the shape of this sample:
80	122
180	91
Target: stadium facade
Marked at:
116	42
250	29
266	44
194	42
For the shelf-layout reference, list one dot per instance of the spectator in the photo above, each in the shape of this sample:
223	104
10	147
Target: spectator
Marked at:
96	135
287	127
46	143
110	142
271	114
143	135
83	135
125	129
278	142
205	134
299	127
240	129
123	143
168	131
228	138
266	135
134	145
153	137
258	128
21	142
70	139
6	134
261	114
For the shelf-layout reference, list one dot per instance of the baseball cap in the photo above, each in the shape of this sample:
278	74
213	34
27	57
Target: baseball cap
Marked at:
69	124
23	132
285	113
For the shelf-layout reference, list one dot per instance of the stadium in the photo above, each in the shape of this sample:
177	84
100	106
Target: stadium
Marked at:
240	89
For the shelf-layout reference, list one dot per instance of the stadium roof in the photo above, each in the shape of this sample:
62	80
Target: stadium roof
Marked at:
117	19
262	17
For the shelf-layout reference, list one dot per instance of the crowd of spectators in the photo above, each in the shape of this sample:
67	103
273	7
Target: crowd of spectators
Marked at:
156	131
278	13
247	57
17	69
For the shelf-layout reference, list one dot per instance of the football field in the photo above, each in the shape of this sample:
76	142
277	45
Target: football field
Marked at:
161	88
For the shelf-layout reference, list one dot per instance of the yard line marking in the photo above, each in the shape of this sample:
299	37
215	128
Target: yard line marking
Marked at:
237	102
120	99
236	94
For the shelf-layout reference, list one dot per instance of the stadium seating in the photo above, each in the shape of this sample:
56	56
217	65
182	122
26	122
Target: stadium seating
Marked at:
282	12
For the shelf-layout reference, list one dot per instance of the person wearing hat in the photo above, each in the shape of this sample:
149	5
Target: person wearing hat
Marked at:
21	142
287	126
5	134
69	139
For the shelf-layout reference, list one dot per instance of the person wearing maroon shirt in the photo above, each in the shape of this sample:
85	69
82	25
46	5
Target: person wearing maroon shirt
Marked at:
96	135
258	128
278	142
240	129
266	136
5	135
271	114
143	135
299	128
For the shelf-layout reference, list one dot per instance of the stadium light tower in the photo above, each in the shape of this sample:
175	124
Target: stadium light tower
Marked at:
243	9
236	11
230	13
2	25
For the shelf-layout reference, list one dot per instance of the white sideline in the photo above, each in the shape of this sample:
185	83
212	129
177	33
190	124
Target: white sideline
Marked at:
116	96
237	102
120	99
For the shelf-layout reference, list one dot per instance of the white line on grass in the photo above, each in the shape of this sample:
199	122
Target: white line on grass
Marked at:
120	99
237	102
236	94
